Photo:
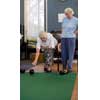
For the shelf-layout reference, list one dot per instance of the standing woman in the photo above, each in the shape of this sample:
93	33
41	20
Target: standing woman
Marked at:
69	31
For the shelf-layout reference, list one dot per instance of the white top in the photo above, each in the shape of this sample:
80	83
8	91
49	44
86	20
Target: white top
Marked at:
51	42
21	36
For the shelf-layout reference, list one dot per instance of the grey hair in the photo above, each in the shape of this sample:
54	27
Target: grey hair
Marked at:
69	10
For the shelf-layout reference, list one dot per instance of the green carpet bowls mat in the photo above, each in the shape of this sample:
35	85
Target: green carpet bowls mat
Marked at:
44	86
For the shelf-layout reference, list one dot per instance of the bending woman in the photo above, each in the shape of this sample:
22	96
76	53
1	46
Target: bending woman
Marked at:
46	42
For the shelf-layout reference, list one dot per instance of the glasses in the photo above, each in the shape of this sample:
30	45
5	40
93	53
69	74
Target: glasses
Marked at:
44	39
66	13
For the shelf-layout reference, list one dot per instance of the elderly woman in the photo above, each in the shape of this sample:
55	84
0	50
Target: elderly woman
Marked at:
69	31
46	42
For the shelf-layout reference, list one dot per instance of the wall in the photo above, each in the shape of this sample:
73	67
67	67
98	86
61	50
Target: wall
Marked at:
55	7
22	12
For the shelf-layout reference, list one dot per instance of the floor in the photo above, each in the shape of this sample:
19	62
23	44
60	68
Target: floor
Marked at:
39	68
75	90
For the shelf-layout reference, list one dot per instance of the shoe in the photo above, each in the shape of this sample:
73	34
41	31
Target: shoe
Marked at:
47	70
70	71
63	72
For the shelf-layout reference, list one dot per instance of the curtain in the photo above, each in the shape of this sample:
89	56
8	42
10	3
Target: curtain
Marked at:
33	18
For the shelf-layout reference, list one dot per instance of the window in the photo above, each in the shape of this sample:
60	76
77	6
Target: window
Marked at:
34	18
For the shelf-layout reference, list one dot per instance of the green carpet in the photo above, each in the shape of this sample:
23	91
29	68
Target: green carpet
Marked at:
43	86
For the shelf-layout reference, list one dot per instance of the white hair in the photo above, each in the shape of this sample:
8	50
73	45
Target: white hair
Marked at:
69	10
43	35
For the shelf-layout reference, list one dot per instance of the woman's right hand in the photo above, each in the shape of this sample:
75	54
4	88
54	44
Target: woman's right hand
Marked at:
34	62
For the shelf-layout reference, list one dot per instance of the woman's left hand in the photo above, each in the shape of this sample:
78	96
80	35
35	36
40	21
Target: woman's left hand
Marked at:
76	32
59	47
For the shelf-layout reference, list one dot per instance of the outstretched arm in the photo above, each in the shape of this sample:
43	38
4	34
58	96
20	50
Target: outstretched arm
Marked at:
37	51
36	56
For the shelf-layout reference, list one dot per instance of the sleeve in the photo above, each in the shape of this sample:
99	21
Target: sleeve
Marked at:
52	42
38	45
62	23
55	41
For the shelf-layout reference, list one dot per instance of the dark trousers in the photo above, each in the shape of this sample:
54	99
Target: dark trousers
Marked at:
67	52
